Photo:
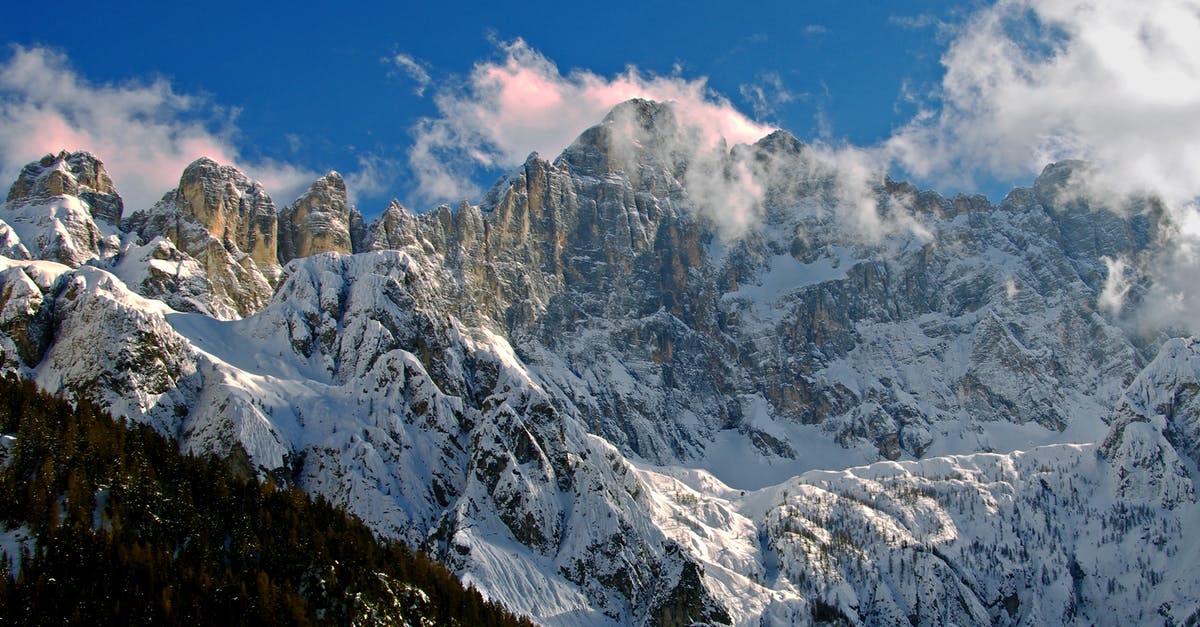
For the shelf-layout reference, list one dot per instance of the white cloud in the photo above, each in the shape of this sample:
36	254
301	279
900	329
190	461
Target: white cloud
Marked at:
145	132
1116	285
766	95
522	103
373	177
1113	82
922	21
414	69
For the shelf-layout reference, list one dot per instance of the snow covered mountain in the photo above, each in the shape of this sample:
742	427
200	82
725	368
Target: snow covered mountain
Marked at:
646	383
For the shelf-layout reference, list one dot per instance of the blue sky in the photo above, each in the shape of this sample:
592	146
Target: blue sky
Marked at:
290	91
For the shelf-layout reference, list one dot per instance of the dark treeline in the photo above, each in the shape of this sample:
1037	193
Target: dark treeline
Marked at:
130	531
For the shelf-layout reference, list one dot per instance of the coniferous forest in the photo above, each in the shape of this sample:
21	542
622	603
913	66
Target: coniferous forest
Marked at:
127	530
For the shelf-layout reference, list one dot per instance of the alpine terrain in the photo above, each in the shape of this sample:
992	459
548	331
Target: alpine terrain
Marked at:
658	380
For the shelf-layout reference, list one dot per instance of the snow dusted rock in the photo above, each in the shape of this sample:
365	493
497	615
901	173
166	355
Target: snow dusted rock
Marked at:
76	174
1154	442
432	431
393	230
226	223
62	208
10	243
317	222
82	333
24	322
161	271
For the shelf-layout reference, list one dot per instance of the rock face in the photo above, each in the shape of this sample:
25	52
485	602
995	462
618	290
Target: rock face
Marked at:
228	224
317	222
76	174
599	404
232	208
1155	434
62	208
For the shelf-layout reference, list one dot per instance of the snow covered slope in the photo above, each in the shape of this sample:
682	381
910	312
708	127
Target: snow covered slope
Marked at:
600	405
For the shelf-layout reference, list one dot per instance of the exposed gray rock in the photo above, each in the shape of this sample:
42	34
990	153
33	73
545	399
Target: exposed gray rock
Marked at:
393	230
10	243
358	231
601	262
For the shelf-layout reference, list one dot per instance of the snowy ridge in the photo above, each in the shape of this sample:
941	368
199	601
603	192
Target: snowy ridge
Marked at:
1042	537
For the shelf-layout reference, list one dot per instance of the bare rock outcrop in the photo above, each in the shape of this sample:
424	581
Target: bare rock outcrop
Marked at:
319	221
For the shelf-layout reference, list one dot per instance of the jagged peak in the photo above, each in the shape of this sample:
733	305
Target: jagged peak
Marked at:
647	113
78	174
1062	181
781	141
332	177
82	167
206	169
318	221
330	185
203	162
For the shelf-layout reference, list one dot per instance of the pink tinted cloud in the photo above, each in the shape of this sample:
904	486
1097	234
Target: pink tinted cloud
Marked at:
145	133
522	103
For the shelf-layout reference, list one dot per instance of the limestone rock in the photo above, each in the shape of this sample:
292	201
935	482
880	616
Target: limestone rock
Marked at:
227	223
69	174
358	231
10	243
62	208
393	230
235	210
317	222
24	332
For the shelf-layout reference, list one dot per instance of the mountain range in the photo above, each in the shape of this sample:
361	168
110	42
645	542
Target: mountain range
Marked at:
657	380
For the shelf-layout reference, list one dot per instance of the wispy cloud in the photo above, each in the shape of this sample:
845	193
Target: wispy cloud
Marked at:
766	94
374	176
915	22
414	69
145	132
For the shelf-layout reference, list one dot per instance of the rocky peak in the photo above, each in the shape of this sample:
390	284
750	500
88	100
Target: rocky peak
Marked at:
317	222
395	229
1093	219
1059	183
647	114
69	174
232	207
1166	396
227	223
781	142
